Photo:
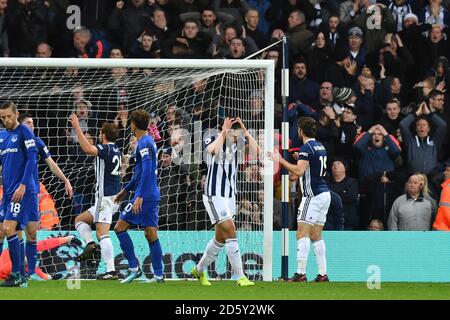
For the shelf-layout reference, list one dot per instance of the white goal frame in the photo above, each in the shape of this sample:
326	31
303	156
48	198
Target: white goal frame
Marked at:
267	65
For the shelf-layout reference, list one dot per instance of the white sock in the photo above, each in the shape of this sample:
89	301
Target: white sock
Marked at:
107	252
210	255
85	231
303	245
319	251
234	256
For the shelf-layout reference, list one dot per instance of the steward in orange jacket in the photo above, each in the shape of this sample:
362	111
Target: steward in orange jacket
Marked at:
442	221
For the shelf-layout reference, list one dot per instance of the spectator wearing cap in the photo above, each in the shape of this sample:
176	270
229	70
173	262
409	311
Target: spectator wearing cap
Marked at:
342	73
301	88
414	40
442	222
399	9
347	188
343	97
435	14
355	45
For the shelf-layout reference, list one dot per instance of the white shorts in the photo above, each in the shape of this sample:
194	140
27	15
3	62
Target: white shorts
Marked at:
103	212
313	210
220	209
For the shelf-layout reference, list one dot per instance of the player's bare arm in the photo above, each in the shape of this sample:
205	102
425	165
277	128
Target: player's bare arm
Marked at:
84	143
297	169
253	145
56	170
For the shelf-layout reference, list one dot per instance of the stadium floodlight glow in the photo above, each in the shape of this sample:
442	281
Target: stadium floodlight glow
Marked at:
198	92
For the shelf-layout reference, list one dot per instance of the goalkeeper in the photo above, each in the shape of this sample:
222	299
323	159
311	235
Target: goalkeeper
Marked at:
47	244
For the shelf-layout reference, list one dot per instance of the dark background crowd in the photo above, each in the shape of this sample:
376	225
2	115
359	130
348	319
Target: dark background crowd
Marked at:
374	74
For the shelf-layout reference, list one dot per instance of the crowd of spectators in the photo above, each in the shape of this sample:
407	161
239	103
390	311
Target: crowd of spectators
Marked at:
373	73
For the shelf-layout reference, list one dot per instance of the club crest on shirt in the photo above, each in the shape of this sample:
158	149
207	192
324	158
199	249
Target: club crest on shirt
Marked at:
14	138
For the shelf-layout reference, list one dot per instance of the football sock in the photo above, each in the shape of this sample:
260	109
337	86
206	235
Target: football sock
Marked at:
157	259
85	231
14	252
210	255
107	250
22	258
1	247
31	254
128	250
234	256
303	246
319	251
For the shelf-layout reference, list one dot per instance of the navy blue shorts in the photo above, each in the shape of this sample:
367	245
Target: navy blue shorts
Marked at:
22	212
148	217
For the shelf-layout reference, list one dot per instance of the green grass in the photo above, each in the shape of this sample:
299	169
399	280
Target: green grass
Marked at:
225	290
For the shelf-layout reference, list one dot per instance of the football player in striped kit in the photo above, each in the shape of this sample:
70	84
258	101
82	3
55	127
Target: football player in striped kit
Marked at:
219	196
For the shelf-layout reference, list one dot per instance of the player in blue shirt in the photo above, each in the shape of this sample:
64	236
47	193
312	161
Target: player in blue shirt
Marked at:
107	172
44	154
312	214
20	173
142	210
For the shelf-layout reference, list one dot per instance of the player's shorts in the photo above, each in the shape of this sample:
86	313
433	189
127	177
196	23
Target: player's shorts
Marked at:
313	210
148	217
219	208
104	209
23	212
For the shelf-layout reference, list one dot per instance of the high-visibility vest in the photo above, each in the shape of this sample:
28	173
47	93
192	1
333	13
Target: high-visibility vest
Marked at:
47	209
442	221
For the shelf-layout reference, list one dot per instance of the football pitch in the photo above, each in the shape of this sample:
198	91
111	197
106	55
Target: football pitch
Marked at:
225	290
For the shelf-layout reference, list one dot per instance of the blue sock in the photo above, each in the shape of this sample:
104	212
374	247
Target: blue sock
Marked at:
31	252
157	259
22	258
14	252
128	249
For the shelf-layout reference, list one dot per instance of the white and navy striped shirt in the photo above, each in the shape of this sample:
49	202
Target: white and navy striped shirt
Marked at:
222	169
107	170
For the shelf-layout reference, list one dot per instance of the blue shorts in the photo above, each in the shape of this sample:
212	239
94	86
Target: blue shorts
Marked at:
148	217
22	212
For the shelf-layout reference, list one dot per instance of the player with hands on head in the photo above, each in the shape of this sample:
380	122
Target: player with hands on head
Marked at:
219	197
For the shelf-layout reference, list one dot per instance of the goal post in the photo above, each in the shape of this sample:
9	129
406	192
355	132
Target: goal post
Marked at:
47	88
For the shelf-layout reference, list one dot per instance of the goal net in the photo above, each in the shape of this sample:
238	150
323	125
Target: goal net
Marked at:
186	100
